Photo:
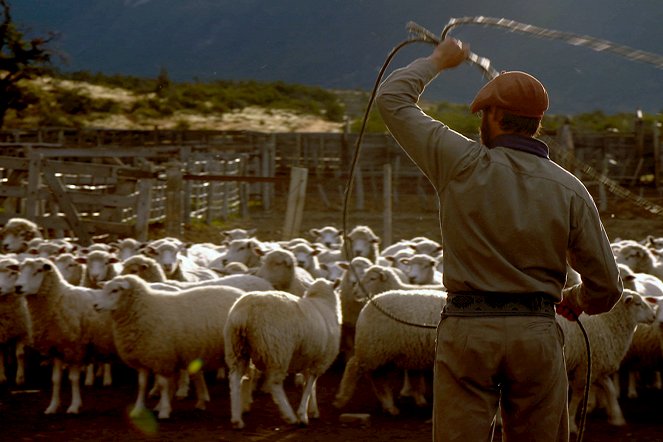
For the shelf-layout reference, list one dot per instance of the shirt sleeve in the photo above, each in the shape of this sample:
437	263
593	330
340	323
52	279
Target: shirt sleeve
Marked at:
438	150
591	256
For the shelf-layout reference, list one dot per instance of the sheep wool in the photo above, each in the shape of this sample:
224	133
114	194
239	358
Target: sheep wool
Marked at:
165	333
281	333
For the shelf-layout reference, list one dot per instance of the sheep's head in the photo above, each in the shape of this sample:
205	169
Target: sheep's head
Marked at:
114	291
31	275
640	307
9	270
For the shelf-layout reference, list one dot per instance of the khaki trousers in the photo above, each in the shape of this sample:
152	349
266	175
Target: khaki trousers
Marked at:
516	362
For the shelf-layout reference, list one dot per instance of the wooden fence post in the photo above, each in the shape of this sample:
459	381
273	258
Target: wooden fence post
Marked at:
34	180
387	232
143	206
174	201
296	199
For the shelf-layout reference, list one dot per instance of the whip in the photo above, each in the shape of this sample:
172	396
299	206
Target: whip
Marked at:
419	34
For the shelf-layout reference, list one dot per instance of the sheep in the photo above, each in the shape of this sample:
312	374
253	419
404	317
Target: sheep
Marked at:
645	354
64	324
610	335
381	340
237	233
16	233
239	250
150	271
361	241
281	333
166	334
422	269
350	304
100	267
306	257
330	236
203	254
379	279
643	283
640	259
71	269
47	248
279	267
233	268
169	254
15	323
333	271
128	247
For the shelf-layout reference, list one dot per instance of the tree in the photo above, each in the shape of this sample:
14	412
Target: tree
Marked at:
20	59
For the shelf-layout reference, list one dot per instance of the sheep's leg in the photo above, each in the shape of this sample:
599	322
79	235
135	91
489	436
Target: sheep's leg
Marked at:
247	387
164	406
202	394
383	392
281	400
3	374
406	390
313	410
235	384
108	375
307	399
56	382
183	385
139	406
418	388
75	381
20	363
615	415
351	376
632	384
89	375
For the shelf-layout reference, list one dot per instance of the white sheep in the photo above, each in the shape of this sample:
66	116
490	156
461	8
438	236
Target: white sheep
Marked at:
170	254
243	250
378	279
361	241
330	236
71	269
100	266
166	334
381	341
128	247
643	283
237	233
350	304
610	335
281	333
64	324
640	259
421	269
15	323
16	233
279	267
307	258
150	271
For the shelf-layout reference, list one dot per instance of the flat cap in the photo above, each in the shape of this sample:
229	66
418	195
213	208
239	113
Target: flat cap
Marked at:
516	92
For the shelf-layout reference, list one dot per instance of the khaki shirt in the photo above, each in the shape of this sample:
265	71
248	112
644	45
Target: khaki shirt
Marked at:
509	218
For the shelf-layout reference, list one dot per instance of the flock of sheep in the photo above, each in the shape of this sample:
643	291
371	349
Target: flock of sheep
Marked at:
258	311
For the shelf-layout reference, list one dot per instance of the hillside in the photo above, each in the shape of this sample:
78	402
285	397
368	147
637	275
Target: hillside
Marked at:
341	44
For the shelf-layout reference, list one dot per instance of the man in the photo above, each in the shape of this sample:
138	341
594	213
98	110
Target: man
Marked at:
510	219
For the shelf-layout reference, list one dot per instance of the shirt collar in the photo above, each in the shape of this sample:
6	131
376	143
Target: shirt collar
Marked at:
522	143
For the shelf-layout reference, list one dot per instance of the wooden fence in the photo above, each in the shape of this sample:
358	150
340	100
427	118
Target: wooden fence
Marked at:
90	183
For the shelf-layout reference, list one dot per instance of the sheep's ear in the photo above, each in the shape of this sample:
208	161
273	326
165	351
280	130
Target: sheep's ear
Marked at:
251	232
383	275
343	264
81	260
336	284
629	278
14	267
150	251
114	260
652	299
628	299
314	232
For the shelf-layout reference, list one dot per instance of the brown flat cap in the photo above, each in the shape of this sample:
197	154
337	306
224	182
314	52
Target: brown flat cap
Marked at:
516	92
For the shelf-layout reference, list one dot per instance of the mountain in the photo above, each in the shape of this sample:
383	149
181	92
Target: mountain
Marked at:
342	44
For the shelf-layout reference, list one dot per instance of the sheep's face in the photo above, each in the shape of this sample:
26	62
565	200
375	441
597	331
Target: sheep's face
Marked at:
9	270
99	266
111	294
641	309
167	255
241	250
420	269
12	243
632	256
329	236
69	267
31	275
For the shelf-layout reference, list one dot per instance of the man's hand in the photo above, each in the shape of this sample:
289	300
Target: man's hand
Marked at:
450	53
568	307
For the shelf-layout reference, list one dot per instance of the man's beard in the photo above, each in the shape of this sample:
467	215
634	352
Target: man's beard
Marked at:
484	132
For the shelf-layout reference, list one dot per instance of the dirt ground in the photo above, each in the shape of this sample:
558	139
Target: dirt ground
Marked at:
104	415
